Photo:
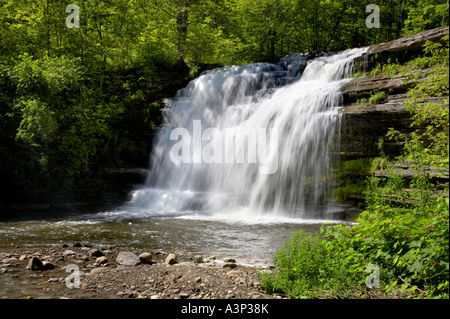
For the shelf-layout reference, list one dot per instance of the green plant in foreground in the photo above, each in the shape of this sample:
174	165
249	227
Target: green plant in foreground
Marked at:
405	228
409	246
306	268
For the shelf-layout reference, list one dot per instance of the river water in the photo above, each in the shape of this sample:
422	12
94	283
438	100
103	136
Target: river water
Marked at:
210	192
250	241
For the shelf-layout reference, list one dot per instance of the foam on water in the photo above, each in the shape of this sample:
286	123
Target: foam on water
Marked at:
303	110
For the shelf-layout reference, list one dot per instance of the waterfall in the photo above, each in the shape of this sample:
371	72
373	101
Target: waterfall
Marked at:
254	139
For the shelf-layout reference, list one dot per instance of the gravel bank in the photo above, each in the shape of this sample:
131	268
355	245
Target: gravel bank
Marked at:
114	272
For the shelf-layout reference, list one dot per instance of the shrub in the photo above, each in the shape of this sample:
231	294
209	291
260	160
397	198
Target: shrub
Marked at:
307	269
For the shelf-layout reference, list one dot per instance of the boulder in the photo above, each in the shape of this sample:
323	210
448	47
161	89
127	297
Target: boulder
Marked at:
145	258
35	264
95	253
229	260
47	265
101	260
171	259
98	270
69	253
127	258
198	259
9	260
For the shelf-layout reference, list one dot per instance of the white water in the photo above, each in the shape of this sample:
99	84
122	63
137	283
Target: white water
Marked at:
228	209
304	113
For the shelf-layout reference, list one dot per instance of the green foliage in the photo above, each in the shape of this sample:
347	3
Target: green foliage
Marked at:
405	227
426	14
306	268
409	246
377	97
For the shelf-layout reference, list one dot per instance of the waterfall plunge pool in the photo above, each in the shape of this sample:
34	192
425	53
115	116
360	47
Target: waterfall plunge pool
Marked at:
248	238
227	209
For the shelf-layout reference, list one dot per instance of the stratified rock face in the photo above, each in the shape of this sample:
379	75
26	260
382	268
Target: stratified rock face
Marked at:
363	86
411	42
364	124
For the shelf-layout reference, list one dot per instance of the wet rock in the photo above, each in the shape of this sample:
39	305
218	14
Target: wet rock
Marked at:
47	265
233	273
35	264
101	260
127	258
229	260
9	260
98	270
171	259
198	259
95	253
145	258
229	265
68	253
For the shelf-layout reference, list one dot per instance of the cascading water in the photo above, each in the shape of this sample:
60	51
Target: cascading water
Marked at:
237	194
277	163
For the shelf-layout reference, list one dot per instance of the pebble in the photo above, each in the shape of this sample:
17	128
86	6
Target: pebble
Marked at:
184	295
101	260
229	260
47	265
171	259
98	270
68	253
95	253
145	258
198	259
9	260
127	258
53	280
35	264
234	273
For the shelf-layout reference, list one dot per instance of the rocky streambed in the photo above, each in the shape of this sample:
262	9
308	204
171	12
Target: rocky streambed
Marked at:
78	271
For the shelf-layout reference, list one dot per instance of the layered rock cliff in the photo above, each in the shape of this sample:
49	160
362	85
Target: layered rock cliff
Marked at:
363	124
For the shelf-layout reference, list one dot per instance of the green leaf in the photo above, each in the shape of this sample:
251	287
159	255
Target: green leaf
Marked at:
415	267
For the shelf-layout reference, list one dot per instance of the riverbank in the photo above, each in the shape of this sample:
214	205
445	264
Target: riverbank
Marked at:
108	273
